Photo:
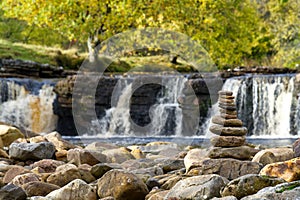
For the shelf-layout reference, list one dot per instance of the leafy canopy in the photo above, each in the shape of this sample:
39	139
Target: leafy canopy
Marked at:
232	31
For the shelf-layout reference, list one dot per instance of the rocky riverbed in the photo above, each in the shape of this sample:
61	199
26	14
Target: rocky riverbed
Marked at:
46	167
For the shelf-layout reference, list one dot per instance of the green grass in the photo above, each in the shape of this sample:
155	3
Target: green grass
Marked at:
72	59
25	52
41	54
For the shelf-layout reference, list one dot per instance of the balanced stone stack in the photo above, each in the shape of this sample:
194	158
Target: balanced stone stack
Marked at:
229	134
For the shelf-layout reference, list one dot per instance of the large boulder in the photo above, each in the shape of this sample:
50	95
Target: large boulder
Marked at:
137	154
85	172
170	164
264	157
12	192
139	163
59	143
100	146
31	151
150	171
75	190
64	174
61	155
100	169
157	147
13	172
170	181
272	155
38	188
248	185
122	186
8	134
197	187
3	153
194	158
118	155
288	170
286	191
83	156
48	165
22	179
226	167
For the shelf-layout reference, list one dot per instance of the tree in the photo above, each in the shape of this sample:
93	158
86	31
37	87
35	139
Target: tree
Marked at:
228	29
282	22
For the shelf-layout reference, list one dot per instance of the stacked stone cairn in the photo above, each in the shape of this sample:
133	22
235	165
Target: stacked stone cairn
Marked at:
229	134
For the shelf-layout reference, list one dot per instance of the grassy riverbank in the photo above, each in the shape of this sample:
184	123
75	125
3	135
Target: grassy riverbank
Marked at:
72	58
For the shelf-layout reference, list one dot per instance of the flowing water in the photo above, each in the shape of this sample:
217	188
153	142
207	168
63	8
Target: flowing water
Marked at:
165	114
27	104
268	105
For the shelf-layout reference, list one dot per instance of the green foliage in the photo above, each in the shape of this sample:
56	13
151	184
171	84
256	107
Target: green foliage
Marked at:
282	19
19	31
234	32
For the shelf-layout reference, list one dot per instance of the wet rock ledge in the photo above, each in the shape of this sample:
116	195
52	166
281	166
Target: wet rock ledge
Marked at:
25	69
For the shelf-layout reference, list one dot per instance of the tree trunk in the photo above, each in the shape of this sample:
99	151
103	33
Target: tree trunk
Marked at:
92	56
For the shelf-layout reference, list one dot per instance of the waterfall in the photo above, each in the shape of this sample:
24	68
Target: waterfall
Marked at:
267	104
27	104
165	114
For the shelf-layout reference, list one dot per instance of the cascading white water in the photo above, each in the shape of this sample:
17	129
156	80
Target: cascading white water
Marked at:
265	103
117	120
173	89
27	110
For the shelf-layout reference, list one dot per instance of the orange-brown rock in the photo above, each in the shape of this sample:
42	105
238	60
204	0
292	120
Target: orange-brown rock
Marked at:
288	170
